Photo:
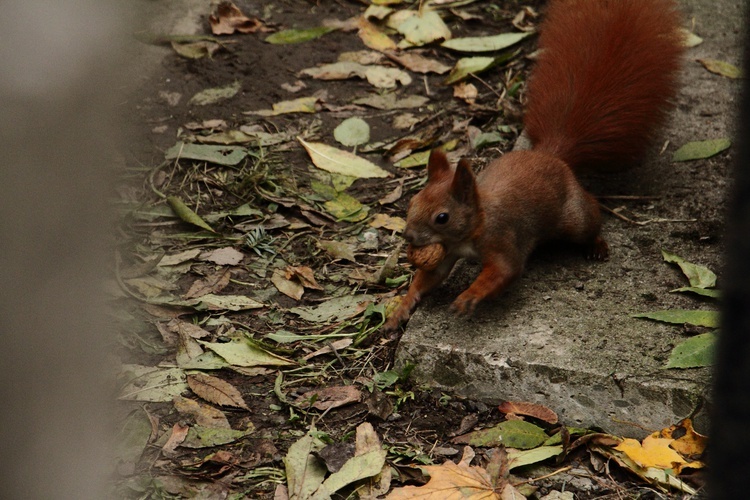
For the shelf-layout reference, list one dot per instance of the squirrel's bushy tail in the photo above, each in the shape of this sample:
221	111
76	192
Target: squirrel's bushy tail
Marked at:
603	82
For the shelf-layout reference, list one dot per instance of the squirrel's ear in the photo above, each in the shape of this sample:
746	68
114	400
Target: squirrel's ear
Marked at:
464	187
437	165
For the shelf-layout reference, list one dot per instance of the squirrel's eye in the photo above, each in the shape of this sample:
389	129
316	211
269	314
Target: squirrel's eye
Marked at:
441	218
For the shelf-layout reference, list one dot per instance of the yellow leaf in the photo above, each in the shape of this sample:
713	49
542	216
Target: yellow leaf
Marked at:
653	452
386	221
373	37
686	441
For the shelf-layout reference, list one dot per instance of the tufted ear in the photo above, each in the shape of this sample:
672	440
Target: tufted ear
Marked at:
464	187
437	166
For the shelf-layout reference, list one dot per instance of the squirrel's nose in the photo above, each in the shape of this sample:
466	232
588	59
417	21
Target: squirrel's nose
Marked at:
410	235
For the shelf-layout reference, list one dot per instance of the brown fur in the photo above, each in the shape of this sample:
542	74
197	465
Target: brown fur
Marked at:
601	87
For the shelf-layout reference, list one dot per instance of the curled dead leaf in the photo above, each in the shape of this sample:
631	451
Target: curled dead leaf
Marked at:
228	18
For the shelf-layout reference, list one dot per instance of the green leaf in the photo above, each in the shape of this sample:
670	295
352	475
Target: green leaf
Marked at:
708	319
204	437
358	467
512	433
134	436
468	65
699	276
304	471
347	208
286	37
705	292
352	132
337	309
519	458
721	68
701	149
485	43
186	214
241	351
147	383
694	352
221	155
337	161
214	95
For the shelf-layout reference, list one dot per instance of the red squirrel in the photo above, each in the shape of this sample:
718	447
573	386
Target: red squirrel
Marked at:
602	85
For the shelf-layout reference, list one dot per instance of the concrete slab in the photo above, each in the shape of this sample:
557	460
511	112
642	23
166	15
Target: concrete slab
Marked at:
564	335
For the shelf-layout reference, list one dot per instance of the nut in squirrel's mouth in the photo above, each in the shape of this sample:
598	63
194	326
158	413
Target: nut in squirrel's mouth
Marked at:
427	257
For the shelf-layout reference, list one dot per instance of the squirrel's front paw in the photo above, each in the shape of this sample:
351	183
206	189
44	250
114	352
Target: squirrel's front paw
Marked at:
465	304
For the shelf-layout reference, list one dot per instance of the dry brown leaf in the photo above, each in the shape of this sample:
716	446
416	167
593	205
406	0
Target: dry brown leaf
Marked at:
215	390
203	414
373	37
336	345
419	64
286	286
213	283
304	275
393	196
226	256
227	19
466	91
180	327
179	433
451	481
530	410
331	397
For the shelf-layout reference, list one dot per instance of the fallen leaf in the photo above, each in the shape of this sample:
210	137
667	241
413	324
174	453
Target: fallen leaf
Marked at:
681	316
466	91
226	256
211	302
241	351
338	249
352	132
391	101
694	352
216	94
292	289
227	18
334	346
133	437
653	452
299	105
420	27
221	155
386	221
177	436
293	36
467	66
335	160
721	68
373	37
690	39
529	409
699	150
196	50
304	471
153	384
485	43
204	415
521	458
687	441
335	310
699	276
393	196
186	214
216	390
512	434
305	276
420	64
379	76
179	258
330	397
450	481
204	437
212	283
346	208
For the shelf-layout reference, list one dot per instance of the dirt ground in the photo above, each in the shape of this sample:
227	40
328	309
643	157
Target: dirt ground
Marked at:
283	225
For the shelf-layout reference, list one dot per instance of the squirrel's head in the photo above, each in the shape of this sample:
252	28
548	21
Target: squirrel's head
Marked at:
447	210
